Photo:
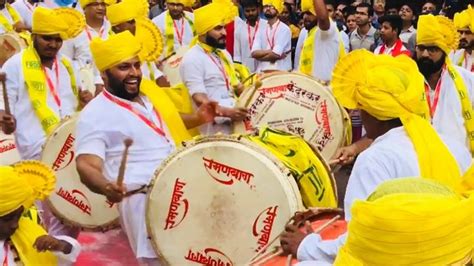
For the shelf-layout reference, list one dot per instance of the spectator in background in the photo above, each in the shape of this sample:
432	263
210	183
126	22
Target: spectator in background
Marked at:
288	17
339	12
366	36
379	11
156	8
408	14
429	7
351	20
391	26
391	9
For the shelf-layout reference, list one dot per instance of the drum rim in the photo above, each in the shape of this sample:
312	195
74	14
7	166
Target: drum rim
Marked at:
340	142
200	139
62	218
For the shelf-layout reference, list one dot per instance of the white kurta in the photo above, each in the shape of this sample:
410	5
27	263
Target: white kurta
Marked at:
63	259
25	10
245	36
101	130
149	68
462	59
4	12
390	156
406	34
188	35
278	39
201	75
29	133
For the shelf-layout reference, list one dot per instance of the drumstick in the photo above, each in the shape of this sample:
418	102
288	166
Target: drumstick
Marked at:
249	77
256	86
288	260
3	77
121	174
166	58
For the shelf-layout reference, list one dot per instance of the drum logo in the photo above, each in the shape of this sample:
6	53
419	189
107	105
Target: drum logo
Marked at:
279	90
323	118
65	151
262	226
210	256
176	201
218	170
8	146
74	197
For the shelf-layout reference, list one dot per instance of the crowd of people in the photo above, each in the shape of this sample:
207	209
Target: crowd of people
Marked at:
402	69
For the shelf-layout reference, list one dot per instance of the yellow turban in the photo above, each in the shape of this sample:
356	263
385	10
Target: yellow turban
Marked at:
122	12
308	6
115	50
85	3
389	87
212	15
439	31
465	19
431	226
277	4
67	22
176	1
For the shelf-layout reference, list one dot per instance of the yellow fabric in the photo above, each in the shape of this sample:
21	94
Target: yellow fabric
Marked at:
313	180
179	95
308	6
228	65
122	12
277	4
389	87
295	31
166	108
212	15
175	1
21	185
437	30
67	22
150	38
85	3
36	86
465	19
13	14
170	31
425	228
243	73
116	49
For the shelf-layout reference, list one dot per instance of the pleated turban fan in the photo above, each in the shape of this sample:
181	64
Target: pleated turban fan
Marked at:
219	12
67	22
410	221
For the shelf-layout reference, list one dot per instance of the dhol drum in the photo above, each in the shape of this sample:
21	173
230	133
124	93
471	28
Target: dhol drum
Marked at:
10	44
72	202
171	66
297	104
219	200
8	151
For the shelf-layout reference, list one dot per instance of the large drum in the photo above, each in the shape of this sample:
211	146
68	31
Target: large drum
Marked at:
10	44
297	104
8	151
72	202
218	201
171	66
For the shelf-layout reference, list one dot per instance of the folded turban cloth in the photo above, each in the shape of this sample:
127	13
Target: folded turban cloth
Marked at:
410	221
465	19
122	12
219	12
67	22
437	30
308	6
392	87
85	3
277	4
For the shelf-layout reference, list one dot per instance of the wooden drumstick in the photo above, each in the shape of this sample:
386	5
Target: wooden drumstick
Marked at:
3	78
255	88
121	174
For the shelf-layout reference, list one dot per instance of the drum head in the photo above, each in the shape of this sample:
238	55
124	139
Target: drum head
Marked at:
72	202
8	152
10	44
218	201
297	104
171	66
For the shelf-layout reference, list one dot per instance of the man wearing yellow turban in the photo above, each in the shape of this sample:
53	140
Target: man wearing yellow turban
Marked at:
319	42
130	107
272	48
464	22
449	89
389	92
176	26
207	69
22	238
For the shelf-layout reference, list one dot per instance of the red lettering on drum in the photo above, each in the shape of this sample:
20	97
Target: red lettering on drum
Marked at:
176	62
274	90
7	146
230	172
263	235
210	256
323	110
83	205
65	150
175	204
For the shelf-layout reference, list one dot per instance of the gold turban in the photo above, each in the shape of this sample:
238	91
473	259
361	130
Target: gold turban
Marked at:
115	50
85	3
389	87
308	6
277	4
67	22
122	12
403	226
437	30
176	1
214	14
465	19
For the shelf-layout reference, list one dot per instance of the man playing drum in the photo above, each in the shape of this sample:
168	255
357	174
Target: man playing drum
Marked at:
390	95
135	108
207	69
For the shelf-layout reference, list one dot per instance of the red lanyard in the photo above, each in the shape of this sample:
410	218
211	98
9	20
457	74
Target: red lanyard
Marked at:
29	6
272	41
89	35
147	121
433	105
221	69
396	49
52	87
5	250
179	33
249	31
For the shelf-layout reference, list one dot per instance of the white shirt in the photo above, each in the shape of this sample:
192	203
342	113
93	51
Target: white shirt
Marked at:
202	75
188	35
63	259
25	10
4	12
390	156
325	51
243	44
462	59
101	129
299	47
278	39
406	34
29	133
